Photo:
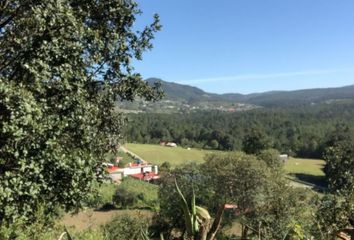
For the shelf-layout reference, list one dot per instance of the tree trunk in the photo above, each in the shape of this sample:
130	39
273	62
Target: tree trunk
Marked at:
244	232
216	224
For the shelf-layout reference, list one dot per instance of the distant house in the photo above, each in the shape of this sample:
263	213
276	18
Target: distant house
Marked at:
144	172
283	157
171	144
168	144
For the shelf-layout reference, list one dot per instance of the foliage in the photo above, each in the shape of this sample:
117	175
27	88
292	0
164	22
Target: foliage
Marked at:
283	211
188	176
271	158
165	167
339	167
41	229
63	65
104	194
255	141
236	178
197	219
301	131
336	209
339	156
330	216
124	227
133	193
266	204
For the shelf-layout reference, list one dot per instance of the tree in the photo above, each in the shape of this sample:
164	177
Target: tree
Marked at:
271	158
255	141
187	176
339	156
284	211
339	167
236	178
63	64
336	209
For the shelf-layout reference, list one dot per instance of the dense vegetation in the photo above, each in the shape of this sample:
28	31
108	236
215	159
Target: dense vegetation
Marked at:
298	131
132	193
63	65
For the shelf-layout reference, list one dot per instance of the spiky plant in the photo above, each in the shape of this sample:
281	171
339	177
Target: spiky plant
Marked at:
198	220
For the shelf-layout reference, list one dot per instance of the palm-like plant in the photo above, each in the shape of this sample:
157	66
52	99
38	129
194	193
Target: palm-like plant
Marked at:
199	224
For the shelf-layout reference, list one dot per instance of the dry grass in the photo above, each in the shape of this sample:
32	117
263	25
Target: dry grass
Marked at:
93	219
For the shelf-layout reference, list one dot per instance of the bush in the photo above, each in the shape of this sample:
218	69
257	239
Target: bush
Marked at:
104	195
41	228
271	158
133	193
165	167
125	198
124	227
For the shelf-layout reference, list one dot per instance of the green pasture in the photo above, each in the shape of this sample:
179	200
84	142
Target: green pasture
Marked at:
305	166
307	170
175	156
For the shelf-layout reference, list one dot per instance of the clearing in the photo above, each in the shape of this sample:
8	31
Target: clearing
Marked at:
174	155
158	154
302	169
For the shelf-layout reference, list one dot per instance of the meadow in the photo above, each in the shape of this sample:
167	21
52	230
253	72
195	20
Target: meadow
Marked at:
157	154
307	170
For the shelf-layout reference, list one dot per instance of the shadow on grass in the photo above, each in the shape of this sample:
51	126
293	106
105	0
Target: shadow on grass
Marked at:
109	207
319	181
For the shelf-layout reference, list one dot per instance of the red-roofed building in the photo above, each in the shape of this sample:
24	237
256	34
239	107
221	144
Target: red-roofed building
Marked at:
140	171
147	176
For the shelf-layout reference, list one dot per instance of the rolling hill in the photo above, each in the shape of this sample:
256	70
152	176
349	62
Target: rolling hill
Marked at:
190	94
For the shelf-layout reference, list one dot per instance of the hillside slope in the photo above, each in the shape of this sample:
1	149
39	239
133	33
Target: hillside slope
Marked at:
175	91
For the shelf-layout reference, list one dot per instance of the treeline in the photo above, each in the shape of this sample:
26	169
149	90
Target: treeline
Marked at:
299	131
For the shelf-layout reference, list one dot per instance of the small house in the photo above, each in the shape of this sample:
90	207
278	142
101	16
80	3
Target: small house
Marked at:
171	144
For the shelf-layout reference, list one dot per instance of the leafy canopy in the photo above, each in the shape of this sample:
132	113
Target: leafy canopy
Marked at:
63	64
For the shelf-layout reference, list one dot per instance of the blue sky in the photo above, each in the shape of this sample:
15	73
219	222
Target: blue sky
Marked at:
251	45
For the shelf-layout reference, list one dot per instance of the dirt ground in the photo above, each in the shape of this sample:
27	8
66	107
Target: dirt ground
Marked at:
92	219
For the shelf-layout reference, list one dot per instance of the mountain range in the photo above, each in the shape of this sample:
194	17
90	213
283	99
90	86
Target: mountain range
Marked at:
190	94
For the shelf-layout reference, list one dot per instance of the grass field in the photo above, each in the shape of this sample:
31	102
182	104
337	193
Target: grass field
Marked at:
305	166
176	156
308	170
158	154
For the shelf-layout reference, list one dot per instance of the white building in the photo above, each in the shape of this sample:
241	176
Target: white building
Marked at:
118	173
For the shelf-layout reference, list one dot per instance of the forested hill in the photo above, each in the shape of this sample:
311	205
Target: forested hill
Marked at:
175	91
301	131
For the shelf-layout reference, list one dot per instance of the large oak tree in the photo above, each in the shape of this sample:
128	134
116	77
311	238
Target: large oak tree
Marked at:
63	64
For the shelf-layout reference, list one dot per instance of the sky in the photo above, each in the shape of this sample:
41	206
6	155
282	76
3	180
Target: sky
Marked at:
246	46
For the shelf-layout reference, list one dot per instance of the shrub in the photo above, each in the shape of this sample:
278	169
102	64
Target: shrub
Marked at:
124	227
133	193
104	195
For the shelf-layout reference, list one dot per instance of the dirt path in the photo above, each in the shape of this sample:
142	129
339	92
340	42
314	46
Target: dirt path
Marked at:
125	150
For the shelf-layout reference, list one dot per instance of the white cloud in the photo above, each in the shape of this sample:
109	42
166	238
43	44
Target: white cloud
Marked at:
260	76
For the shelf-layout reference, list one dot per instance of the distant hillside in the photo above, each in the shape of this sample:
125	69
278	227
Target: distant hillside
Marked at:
174	91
